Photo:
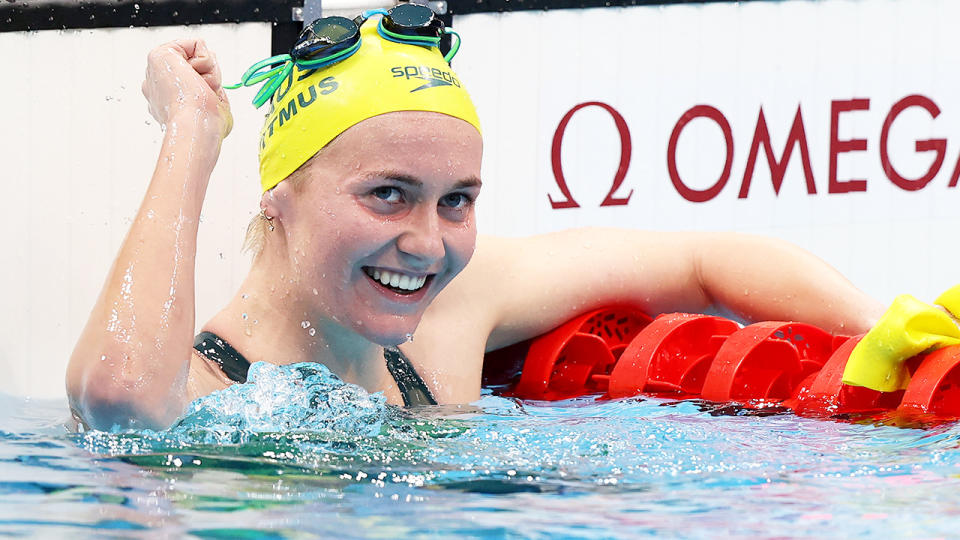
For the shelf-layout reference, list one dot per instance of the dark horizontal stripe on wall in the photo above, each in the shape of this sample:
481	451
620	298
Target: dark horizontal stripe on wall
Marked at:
463	7
20	15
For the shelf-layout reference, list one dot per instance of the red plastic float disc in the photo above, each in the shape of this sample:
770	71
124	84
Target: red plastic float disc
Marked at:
670	355
576	358
824	393
935	386
766	361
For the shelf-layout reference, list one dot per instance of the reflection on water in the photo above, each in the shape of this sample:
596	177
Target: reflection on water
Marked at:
298	453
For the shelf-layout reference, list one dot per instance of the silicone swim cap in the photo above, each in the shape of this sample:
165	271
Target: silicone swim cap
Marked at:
312	107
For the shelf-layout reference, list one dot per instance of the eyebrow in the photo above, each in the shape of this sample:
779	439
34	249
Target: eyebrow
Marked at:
470	181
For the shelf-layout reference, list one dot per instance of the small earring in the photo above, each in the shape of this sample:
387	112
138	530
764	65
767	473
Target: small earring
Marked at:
269	219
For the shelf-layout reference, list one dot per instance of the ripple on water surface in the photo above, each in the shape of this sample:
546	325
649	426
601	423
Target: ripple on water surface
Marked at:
298	452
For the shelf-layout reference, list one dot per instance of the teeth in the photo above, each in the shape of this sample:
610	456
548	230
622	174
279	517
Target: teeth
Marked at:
397	280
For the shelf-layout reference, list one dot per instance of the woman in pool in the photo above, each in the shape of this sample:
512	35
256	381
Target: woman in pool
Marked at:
366	236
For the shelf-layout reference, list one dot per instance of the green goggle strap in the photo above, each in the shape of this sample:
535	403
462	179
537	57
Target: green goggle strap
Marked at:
276	74
421	40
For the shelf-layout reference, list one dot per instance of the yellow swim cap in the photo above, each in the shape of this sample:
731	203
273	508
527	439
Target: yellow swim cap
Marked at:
312	107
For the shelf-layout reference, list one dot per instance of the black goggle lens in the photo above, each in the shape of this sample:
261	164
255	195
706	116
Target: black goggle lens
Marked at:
413	19
326	36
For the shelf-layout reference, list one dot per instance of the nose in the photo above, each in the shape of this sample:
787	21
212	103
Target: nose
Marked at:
422	239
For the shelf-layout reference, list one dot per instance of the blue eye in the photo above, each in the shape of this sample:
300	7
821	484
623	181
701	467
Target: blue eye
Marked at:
456	200
388	194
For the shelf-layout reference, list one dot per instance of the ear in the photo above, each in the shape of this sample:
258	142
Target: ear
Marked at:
275	202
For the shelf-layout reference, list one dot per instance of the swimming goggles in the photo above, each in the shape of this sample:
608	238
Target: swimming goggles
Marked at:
329	40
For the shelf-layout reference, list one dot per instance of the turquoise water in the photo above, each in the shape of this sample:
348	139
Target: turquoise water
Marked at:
298	454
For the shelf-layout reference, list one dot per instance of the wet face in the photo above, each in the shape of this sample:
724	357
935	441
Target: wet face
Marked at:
385	220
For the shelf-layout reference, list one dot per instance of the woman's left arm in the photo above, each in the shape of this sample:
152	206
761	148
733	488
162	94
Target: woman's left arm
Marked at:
531	285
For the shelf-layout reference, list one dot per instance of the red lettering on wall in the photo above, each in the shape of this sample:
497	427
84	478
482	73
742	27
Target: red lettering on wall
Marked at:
761	136
930	145
625	152
693	195
956	174
837	146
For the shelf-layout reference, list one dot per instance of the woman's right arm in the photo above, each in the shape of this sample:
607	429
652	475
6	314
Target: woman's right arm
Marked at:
131	363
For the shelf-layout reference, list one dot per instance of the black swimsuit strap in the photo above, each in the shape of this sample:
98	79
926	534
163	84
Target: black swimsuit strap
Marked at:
412	387
235	366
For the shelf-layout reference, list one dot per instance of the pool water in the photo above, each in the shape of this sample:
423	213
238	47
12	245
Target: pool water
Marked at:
295	453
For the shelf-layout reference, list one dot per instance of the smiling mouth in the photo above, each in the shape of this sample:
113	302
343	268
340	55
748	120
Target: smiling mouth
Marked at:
397	282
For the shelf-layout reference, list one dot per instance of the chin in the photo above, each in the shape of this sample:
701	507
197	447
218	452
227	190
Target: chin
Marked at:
389	331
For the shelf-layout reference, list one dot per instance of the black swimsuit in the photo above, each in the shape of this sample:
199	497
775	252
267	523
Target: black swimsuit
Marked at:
235	366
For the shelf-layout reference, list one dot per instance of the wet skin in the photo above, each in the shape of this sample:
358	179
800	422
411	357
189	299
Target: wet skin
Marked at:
395	193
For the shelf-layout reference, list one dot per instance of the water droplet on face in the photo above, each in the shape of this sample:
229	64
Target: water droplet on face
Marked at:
315	292
410	337
313	331
243	316
305	324
244	296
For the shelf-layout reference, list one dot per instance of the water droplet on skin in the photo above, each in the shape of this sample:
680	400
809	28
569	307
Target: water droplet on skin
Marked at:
244	296
313	331
243	316
315	292
247	331
410	337
305	324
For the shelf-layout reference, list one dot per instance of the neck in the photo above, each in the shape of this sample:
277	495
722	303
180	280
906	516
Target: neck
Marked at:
272	318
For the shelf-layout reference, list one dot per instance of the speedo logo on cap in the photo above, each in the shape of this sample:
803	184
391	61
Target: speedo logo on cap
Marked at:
432	76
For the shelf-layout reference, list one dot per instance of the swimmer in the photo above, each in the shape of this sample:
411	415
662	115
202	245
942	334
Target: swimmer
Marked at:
366	236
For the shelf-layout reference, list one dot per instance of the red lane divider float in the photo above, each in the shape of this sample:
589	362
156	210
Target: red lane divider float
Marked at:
621	352
576	358
671	355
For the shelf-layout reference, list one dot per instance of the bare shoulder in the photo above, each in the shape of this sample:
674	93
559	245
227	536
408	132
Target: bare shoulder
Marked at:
523	287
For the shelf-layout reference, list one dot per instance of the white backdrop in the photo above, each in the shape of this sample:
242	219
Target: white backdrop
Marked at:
653	64
78	146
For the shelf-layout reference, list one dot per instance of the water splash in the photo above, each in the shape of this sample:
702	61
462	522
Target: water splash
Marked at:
286	400
298	397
